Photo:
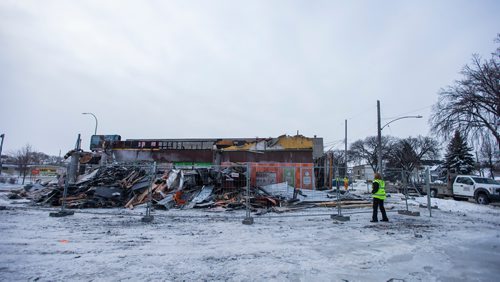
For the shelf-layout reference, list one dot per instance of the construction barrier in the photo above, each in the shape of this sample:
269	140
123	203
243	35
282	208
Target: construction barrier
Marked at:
246	191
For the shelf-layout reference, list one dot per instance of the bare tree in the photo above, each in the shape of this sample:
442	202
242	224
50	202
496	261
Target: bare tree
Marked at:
23	158
54	160
339	161
490	158
471	105
366	150
39	158
408	153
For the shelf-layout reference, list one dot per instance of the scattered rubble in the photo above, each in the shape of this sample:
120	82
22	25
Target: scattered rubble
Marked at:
213	189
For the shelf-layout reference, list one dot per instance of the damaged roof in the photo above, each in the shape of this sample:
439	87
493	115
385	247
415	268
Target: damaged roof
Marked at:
283	142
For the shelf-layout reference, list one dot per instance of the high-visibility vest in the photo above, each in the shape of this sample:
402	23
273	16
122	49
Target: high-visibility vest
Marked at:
380	194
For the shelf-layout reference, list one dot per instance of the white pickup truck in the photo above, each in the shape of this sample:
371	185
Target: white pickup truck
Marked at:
482	190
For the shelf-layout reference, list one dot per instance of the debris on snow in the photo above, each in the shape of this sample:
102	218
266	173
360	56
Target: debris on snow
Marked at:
207	188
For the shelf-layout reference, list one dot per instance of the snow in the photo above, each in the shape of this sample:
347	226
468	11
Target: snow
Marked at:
460	242
455	206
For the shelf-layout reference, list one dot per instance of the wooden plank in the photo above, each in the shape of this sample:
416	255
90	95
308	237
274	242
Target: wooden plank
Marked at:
334	204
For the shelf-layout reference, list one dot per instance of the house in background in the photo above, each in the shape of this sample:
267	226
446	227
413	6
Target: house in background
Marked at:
436	171
363	172
9	169
33	173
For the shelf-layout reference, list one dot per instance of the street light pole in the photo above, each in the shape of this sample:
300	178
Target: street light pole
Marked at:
379	140
95	131
379	135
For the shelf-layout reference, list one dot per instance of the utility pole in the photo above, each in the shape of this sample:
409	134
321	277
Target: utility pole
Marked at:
345	149
379	135
379	140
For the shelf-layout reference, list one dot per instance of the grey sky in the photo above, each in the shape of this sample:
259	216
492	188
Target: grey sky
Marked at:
178	69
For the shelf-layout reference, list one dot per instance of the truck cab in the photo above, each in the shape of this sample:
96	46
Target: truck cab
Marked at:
483	190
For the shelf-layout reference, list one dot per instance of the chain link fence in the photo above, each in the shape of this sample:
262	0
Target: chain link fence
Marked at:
240	191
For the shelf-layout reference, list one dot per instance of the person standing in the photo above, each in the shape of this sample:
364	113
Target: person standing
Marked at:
378	194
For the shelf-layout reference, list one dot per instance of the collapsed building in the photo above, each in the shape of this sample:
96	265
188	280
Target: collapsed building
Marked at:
270	173
288	159
217	189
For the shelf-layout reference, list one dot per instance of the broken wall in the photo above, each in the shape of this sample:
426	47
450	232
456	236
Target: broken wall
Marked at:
298	175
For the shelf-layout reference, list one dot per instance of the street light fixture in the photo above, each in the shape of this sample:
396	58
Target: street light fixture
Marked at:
95	131
419	116
379	135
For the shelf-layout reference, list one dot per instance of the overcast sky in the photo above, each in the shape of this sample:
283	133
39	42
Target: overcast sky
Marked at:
188	69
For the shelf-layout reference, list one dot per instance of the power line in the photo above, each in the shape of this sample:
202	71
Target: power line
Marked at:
333	142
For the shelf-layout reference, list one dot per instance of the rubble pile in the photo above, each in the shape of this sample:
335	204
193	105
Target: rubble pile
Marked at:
195	188
102	188
215	189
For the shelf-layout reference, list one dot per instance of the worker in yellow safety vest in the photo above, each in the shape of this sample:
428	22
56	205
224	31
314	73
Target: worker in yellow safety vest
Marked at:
378	194
346	183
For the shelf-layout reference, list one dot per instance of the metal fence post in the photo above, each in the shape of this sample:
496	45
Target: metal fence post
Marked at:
71	174
248	219
148	217
407	211
403	174
339	215
313	177
339	205
300	178
428	186
63	211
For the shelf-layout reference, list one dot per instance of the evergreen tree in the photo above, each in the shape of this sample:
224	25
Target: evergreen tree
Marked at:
458	158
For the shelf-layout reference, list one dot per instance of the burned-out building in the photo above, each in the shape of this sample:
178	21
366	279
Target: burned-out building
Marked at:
267	155
283	149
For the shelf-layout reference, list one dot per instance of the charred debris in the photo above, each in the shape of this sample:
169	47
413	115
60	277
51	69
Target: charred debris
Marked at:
214	189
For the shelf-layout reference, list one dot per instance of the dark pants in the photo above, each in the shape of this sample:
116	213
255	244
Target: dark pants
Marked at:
376	204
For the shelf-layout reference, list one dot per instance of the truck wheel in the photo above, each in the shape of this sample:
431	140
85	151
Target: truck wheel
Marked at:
433	193
482	199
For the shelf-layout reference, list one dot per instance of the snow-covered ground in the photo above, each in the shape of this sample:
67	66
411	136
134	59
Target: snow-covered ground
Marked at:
460	242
